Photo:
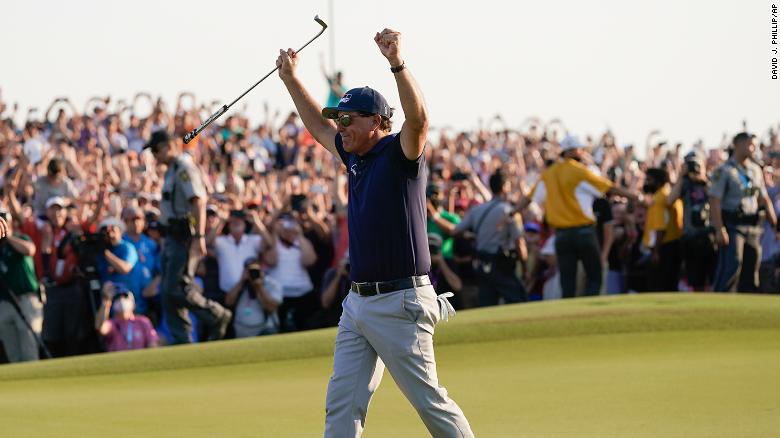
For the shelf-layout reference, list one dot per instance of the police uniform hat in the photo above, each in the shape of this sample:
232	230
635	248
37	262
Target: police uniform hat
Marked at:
158	137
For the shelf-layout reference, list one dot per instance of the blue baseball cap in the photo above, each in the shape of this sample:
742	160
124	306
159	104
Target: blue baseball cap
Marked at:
364	100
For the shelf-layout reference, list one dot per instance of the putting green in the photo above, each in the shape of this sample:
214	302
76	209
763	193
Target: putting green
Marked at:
671	365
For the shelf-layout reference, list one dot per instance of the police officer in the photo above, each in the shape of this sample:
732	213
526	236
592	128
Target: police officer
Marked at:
499	246
736	196
183	217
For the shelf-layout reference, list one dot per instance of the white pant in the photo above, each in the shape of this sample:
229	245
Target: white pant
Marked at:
393	330
19	343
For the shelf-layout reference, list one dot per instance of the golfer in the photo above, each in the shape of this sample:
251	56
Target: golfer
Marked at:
390	314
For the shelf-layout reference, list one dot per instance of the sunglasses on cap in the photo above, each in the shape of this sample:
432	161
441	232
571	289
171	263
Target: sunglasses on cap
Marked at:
346	119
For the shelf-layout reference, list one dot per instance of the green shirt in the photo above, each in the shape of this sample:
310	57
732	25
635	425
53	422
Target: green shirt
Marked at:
447	242
17	271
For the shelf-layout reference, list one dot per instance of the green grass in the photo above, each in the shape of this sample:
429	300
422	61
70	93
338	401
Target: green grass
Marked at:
671	365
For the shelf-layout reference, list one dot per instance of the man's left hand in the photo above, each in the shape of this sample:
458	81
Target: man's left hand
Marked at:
389	44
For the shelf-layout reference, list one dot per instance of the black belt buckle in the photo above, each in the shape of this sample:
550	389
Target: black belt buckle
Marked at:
369	289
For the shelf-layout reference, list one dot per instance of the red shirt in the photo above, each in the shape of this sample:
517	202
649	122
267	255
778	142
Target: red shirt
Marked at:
130	334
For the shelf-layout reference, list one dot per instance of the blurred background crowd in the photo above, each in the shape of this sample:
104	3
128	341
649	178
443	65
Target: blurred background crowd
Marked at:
83	200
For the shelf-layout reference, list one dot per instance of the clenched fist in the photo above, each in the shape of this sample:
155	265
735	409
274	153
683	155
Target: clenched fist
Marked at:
389	42
3	228
287	62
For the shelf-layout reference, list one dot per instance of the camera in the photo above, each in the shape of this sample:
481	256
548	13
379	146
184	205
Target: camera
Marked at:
255	273
459	176
693	166
434	249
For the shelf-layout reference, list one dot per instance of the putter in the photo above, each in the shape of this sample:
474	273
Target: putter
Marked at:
192	134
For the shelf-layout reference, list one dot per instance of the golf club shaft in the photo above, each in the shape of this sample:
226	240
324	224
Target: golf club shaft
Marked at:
222	110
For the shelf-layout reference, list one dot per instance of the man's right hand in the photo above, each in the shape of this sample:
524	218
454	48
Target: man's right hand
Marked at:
287	62
109	290
3	228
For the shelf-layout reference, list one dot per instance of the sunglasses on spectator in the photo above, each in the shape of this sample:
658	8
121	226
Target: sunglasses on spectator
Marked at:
346	119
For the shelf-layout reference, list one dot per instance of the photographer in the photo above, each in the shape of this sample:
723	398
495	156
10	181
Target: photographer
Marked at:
118	257
697	245
66	321
126	330
499	246
255	299
17	277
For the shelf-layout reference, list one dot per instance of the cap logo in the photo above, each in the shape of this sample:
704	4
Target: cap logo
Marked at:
346	98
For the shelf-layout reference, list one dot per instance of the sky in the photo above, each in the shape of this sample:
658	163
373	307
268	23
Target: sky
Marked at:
690	69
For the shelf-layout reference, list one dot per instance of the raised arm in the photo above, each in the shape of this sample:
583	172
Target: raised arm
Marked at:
310	111
415	128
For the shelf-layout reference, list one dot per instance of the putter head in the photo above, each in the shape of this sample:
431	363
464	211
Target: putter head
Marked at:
322	23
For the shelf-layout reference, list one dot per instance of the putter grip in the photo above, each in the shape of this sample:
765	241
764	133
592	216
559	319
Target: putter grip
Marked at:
192	134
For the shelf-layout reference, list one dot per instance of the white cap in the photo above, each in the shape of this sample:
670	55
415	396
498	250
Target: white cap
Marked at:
112	222
57	200
570	142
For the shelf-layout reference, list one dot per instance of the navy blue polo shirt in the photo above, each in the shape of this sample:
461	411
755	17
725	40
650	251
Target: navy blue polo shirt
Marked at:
388	238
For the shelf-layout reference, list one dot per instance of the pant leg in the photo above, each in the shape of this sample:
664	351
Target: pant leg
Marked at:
615	284
488	295
751	261
670	265
173	261
357	373
8	331
32	309
590	256
400	327
566	255
509	287
729	263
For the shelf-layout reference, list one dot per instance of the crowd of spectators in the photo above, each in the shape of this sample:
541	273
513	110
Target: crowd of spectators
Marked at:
82	198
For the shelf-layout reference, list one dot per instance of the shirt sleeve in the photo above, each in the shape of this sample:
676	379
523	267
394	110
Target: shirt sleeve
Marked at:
190	182
465	224
413	168
127	252
539	192
599	182
274	289
718	187
151	334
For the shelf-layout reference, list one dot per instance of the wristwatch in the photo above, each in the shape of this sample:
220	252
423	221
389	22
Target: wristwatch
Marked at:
399	68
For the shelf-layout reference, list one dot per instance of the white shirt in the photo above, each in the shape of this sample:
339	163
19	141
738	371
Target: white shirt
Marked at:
290	272
250	318
231	256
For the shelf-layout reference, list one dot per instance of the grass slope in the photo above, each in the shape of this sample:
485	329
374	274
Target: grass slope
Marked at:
644	366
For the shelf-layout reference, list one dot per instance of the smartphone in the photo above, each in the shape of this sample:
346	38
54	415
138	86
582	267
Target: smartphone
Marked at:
298	202
460	176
